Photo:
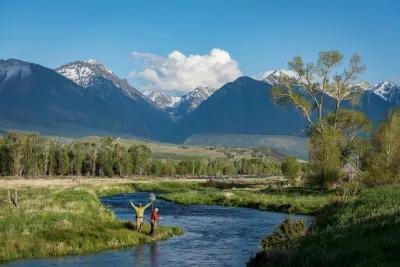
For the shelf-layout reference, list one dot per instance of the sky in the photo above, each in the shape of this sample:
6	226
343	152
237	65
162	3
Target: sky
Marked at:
173	45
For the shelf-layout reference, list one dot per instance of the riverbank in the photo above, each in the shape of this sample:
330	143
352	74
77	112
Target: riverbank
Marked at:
61	217
363	231
263	195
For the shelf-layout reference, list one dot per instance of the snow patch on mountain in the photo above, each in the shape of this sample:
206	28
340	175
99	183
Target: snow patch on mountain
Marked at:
162	100
389	91
196	97
91	73
180	104
272	76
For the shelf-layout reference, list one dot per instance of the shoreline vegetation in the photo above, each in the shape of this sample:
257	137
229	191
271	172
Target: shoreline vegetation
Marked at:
359	231
353	225
262	194
64	218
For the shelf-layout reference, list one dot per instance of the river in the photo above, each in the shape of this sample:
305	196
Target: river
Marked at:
214	236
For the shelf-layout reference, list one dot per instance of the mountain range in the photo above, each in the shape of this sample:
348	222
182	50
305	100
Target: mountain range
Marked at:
180	106
84	97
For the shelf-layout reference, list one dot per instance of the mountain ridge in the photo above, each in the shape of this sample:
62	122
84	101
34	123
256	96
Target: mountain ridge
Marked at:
43	98
86	95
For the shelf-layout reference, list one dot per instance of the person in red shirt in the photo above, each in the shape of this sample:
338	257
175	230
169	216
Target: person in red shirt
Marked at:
155	217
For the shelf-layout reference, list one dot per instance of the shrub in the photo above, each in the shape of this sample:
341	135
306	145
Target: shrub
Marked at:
291	168
284	235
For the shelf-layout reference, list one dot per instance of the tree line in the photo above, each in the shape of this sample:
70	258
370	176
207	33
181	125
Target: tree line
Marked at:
29	154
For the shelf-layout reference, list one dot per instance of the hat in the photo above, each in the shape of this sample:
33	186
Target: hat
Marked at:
156	209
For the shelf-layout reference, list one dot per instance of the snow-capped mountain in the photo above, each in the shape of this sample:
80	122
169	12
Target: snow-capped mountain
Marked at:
136	113
162	100
191	101
272	76
90	74
389	91
179	106
194	98
92	99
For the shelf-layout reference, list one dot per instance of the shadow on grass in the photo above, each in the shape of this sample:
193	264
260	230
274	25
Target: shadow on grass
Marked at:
363	232
129	225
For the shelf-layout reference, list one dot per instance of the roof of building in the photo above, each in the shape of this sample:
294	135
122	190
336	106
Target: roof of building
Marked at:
350	167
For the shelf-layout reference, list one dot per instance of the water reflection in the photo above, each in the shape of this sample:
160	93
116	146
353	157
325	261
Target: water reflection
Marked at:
138	256
154	255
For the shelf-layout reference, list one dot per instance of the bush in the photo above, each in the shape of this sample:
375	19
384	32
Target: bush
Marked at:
382	162
291	168
284	235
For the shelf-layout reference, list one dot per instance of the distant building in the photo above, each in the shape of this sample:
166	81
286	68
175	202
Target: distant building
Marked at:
350	171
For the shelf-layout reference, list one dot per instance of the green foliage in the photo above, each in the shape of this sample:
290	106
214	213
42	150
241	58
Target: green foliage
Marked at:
104	159
6	160
316	79
326	156
291	168
352	124
140	155
65	221
285	235
22	154
334	132
363	231
76	157
58	159
254	195
31	155
382	162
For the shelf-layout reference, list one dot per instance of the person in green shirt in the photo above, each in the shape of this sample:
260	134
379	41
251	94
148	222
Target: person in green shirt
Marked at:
140	215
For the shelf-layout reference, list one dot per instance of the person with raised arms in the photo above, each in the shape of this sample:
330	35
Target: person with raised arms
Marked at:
140	215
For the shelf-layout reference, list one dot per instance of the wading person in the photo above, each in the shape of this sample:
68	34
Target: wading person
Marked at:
155	217
140	215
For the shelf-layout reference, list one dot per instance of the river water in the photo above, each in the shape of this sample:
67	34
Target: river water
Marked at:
214	236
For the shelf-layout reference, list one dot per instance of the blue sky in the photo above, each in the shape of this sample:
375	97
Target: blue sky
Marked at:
258	35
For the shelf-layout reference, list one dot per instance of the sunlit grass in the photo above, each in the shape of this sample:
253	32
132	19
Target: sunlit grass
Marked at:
64	221
250	195
364	231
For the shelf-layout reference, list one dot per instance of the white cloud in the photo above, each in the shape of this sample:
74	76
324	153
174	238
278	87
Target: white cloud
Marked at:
146	56
180	72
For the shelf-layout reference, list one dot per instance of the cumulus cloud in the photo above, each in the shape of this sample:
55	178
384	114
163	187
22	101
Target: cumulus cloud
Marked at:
179	72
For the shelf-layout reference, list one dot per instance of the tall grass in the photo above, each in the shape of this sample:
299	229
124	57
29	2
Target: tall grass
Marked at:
364	231
64	221
252	195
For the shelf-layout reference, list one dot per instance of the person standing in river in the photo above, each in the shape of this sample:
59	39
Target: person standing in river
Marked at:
140	215
155	217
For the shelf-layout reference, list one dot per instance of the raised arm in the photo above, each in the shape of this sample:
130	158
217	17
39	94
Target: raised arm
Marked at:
133	205
145	207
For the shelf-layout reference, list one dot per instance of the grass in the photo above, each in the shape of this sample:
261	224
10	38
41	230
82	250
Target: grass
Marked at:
252	195
57	217
164	150
56	221
287	145
364	231
185	151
